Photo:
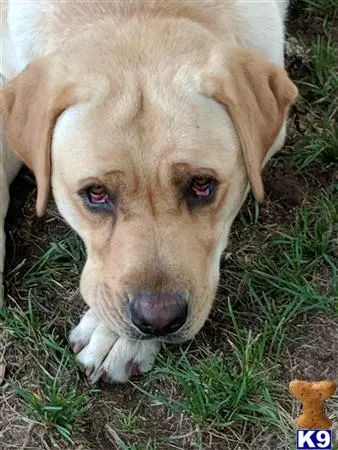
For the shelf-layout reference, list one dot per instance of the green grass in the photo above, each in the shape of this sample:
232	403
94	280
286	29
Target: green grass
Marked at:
25	326
51	402
326	9
289	264
55	396
325	64
130	421
63	258
322	86
225	390
319	91
319	145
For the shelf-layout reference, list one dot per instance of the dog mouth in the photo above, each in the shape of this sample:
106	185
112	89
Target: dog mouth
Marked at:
174	338
180	336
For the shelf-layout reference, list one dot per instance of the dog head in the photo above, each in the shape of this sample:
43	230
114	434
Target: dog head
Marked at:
149	142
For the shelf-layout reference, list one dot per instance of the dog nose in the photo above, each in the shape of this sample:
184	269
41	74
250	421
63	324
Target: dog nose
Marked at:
158	314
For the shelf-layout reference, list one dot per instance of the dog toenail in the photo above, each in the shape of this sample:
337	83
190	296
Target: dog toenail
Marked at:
77	347
133	369
104	377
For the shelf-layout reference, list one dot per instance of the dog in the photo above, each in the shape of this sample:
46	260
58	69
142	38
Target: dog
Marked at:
151	121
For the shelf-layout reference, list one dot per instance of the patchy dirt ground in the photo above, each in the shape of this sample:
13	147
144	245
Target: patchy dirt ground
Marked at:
122	417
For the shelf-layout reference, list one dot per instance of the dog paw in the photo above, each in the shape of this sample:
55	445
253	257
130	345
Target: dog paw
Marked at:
108	356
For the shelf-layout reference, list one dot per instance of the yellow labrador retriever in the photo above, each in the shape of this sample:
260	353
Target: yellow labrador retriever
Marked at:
150	120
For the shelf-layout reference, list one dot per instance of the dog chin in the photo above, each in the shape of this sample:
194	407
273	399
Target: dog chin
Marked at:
176	338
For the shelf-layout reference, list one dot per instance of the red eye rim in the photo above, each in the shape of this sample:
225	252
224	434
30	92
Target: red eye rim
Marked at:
201	187
97	195
201	191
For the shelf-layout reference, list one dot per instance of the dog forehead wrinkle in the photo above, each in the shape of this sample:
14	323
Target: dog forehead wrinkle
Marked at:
145	138
151	201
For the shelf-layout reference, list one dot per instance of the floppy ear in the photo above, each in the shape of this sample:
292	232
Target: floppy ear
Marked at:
257	95
30	103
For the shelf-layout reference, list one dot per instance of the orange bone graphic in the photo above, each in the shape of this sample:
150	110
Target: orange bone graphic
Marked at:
313	394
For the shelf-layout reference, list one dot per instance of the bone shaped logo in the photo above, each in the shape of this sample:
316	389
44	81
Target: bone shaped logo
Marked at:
313	394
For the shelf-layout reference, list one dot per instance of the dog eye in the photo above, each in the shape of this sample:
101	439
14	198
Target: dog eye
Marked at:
201	191
201	187
97	197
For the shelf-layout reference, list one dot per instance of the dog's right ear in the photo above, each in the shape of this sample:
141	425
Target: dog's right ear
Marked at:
30	104
257	96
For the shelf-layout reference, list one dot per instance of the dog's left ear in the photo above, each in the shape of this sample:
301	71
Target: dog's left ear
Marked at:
30	104
257	95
